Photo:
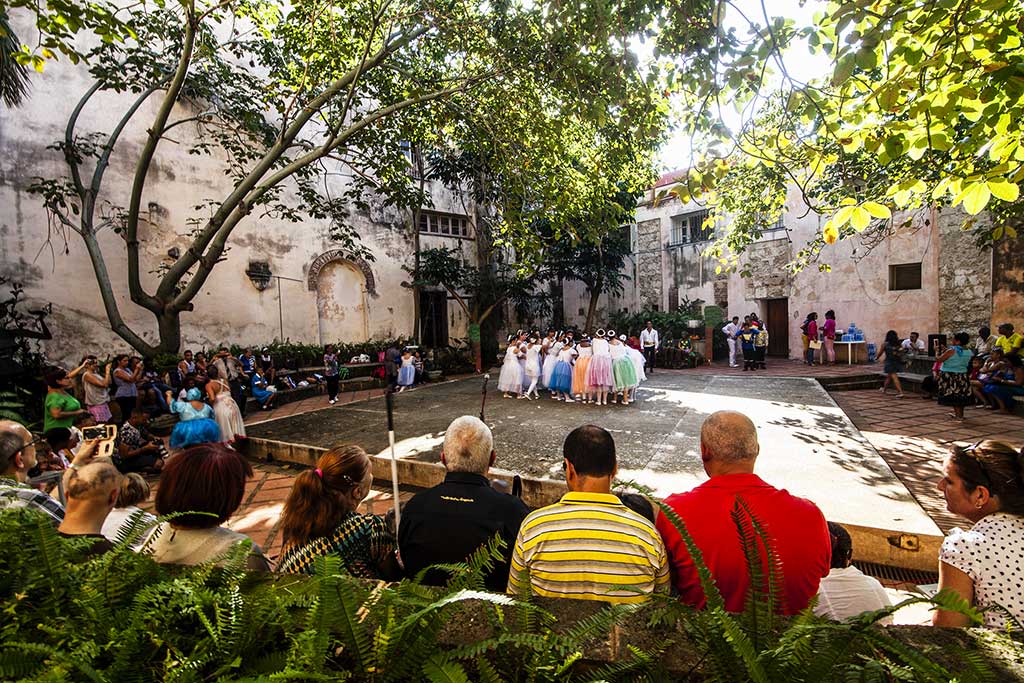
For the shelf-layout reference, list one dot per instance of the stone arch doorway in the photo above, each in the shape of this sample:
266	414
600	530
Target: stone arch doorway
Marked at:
343	287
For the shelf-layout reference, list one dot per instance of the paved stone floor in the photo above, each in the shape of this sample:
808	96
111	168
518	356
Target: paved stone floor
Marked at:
913	435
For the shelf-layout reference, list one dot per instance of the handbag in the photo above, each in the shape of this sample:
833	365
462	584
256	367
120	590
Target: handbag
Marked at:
815	344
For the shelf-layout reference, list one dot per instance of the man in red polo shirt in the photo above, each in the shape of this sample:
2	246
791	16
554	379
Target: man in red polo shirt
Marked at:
795	527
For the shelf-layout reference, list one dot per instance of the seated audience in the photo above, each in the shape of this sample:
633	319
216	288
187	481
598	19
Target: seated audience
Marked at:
588	545
17	457
1009	341
985	342
134	490
984	483
846	591
914	345
91	491
1003	385
61	441
795	526
262	391
137	449
320	518
449	522
209	478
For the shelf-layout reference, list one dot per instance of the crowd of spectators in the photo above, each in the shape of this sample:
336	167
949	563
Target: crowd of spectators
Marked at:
593	544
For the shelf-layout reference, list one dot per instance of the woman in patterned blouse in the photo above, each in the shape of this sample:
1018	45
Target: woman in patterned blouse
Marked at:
320	518
985	564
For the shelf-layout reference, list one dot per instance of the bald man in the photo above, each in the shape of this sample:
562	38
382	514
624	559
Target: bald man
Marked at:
17	457
91	492
795	527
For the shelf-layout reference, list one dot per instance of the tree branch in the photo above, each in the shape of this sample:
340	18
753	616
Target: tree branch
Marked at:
155	132
236	205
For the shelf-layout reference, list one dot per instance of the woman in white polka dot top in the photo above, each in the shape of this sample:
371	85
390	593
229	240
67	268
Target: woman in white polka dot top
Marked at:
985	564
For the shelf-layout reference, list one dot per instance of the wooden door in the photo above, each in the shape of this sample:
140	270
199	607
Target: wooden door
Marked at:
433	318
777	319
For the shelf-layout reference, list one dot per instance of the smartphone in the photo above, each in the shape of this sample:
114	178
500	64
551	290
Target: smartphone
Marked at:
105	432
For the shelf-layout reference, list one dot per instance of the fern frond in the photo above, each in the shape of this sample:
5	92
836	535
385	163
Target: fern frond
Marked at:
439	670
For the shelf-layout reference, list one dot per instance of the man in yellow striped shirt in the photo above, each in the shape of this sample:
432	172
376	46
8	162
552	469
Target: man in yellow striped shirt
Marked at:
588	545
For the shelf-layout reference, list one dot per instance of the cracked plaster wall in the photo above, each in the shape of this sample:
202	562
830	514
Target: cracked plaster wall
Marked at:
55	268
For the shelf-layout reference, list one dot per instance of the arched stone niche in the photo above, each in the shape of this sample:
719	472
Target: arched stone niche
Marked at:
338	255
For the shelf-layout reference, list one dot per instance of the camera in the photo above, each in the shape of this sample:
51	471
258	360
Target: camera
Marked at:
99	432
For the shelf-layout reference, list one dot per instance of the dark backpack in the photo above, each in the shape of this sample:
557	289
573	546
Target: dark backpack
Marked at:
803	327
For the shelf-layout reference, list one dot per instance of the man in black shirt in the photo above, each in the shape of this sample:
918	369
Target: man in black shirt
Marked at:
447	523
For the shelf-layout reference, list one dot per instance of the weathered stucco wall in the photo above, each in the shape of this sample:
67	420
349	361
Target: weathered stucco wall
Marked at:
54	266
1008	284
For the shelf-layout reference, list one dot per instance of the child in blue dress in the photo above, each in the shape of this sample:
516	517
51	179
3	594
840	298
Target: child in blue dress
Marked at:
262	391
407	371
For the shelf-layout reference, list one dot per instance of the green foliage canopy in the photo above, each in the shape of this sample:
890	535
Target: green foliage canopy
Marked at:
921	108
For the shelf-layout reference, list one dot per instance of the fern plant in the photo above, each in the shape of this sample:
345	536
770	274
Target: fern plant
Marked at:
759	645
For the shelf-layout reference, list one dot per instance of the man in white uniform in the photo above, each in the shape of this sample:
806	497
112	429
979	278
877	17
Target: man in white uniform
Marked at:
730	330
649	343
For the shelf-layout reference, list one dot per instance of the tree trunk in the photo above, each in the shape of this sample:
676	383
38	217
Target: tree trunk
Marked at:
595	294
169	325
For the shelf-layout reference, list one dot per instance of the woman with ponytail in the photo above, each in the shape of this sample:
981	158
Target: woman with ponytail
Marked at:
985	565
320	519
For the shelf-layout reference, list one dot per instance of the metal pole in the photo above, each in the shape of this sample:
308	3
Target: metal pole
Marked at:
280	311
389	402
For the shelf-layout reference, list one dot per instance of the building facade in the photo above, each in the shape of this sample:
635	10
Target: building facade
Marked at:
928	277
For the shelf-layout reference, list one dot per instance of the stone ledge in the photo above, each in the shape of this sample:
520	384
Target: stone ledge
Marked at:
881	546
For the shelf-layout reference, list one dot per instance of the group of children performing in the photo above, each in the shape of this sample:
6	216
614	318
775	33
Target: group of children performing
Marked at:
588	370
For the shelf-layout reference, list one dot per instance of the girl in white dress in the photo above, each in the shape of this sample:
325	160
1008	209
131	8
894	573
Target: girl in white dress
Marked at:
511	378
638	359
533	367
549	350
225	411
406	373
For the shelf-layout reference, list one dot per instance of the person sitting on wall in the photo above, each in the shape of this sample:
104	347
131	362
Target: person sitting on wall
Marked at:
1009	341
1001	388
795	526
985	342
847	591
17	457
91	493
321	518
588	545
914	345
984	483
449	522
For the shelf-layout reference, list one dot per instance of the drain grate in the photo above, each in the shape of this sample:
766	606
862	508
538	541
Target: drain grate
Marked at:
886	573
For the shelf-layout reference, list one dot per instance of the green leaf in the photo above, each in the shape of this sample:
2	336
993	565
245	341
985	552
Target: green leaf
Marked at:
1008	192
974	198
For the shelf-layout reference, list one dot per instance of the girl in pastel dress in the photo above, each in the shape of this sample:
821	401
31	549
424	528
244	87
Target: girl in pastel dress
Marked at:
638	359
579	373
561	377
533	367
549	349
623	372
599	374
407	372
510	381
